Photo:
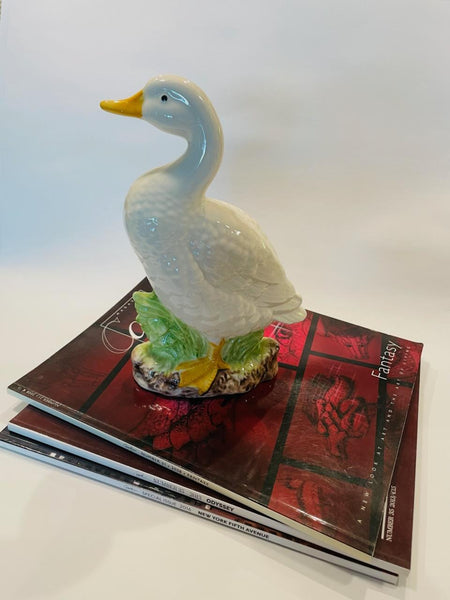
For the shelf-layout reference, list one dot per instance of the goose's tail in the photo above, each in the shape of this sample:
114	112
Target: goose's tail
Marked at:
290	311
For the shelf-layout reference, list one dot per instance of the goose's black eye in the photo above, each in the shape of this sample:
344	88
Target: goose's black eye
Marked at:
164	98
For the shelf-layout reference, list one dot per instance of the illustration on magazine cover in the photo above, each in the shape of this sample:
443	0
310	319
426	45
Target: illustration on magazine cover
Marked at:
324	433
217	282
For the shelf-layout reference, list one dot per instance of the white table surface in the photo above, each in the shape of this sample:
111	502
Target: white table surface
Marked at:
337	138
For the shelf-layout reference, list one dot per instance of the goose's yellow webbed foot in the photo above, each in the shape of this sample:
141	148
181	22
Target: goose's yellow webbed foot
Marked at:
200	373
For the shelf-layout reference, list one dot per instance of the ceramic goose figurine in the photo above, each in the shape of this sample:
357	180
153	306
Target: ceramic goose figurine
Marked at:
209	264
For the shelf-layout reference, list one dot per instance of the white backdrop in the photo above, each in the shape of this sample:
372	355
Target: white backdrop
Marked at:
337	139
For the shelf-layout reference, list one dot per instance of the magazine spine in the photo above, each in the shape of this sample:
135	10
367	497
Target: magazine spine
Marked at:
314	537
136	489
154	479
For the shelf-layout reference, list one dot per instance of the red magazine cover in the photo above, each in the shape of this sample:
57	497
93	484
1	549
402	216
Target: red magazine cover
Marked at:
323	434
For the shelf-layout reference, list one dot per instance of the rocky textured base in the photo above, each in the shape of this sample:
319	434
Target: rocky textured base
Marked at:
226	381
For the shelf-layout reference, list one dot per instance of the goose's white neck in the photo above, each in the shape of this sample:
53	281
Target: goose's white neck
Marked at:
197	167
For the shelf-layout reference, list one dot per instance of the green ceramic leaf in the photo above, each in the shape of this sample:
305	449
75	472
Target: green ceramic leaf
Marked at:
171	341
240	350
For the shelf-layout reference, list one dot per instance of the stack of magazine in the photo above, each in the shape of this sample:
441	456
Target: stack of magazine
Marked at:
320	460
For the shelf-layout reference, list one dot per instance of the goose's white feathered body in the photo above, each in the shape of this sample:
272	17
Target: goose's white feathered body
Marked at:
208	262
210	265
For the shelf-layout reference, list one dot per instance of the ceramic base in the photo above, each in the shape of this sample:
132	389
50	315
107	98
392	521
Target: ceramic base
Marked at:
227	381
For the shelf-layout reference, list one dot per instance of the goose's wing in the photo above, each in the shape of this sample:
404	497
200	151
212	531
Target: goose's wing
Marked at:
234	255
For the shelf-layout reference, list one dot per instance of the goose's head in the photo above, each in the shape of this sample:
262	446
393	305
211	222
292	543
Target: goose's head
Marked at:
171	103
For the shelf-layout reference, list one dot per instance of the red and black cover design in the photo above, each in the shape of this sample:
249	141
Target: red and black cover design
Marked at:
314	448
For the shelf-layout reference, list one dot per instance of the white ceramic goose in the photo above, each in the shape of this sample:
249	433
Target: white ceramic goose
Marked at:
208	262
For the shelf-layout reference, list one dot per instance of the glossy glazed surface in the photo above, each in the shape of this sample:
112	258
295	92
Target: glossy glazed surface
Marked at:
208	262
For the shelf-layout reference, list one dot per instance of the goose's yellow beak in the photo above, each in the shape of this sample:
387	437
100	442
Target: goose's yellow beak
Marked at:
131	107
